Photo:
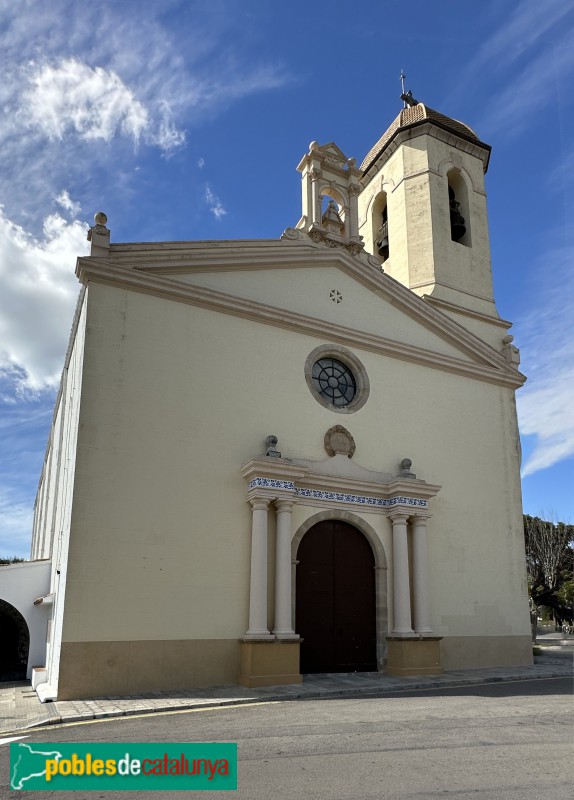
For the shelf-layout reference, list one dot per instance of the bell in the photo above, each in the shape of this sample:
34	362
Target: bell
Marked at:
383	248
382	242
457	226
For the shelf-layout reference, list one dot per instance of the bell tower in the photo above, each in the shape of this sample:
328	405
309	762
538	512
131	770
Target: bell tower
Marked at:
422	211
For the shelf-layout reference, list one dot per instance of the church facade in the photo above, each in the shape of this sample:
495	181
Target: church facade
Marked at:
276	457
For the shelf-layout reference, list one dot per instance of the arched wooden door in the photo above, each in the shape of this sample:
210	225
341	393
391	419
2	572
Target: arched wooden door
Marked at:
335	599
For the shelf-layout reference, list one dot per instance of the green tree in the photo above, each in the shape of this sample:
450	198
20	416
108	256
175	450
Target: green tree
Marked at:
549	560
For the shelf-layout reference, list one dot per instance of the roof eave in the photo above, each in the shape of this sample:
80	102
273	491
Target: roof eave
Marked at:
428	121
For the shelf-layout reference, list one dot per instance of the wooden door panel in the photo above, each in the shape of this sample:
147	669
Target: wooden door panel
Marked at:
336	599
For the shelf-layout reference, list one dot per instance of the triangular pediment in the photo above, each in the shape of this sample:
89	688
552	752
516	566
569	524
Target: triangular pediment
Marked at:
311	288
333	151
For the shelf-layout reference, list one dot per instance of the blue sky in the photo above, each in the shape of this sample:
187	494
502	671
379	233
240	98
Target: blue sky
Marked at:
186	120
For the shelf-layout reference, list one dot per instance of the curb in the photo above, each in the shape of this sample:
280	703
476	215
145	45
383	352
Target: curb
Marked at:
57	719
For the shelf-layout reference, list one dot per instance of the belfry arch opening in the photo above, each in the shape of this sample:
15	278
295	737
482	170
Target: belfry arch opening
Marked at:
336	599
459	208
380	223
333	211
15	643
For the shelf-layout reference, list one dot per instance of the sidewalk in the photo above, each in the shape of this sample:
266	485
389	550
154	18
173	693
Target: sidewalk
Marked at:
21	709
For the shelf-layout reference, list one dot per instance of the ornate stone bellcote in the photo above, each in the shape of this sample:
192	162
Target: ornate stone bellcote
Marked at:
327	172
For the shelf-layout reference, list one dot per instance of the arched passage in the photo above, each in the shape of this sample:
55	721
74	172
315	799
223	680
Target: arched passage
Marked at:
14	643
336	605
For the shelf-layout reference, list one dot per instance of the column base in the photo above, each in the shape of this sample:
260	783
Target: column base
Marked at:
287	636
265	663
264	636
413	656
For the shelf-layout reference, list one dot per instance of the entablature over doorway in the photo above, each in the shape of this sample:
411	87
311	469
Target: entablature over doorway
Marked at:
335	481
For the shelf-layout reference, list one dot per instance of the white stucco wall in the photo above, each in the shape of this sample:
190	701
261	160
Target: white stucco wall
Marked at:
175	398
55	493
20	585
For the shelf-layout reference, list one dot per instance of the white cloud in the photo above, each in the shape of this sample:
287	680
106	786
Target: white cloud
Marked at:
529	56
522	30
531	89
214	203
201	163
92	102
64	200
39	292
545	335
15	525
546	411
168	136
232	81
82	92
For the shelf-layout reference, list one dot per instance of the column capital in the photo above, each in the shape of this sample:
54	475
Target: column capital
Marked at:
420	519
284	503
260	503
398	516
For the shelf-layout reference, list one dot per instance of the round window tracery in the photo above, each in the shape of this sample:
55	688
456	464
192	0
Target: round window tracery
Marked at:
337	379
334	381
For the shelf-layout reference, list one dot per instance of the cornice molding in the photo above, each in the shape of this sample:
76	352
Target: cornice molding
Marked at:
487	365
466	312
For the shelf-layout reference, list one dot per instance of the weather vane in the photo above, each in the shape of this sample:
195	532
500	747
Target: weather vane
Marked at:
407	97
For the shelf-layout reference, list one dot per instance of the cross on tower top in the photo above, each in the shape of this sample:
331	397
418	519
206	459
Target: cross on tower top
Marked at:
407	97
403	76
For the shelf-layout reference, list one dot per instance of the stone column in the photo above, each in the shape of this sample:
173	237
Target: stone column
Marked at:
420	575
353	212
306	197
258	584
283	623
315	199
401	586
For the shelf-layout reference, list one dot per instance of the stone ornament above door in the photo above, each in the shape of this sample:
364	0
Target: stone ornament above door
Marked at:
338	440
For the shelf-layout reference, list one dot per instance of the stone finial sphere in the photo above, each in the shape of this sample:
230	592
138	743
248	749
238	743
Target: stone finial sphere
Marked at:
100	218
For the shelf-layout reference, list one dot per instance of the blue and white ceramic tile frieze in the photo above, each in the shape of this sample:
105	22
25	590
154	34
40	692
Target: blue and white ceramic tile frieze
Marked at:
340	497
357	499
270	483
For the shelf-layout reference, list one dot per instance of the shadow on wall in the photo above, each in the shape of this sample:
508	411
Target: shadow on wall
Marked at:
14	643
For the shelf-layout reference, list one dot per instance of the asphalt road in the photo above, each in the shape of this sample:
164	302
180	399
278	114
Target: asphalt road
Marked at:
511	741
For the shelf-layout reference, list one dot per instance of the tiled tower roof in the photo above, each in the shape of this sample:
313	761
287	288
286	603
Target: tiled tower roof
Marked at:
415	115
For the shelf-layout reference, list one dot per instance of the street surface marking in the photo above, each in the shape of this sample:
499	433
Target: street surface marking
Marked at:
126	717
12	739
